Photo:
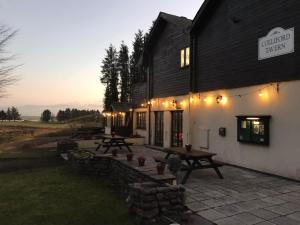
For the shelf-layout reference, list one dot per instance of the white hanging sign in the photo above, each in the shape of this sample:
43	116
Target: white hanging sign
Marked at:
278	42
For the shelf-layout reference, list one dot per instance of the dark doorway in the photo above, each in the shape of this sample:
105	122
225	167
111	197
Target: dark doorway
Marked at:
176	134
159	129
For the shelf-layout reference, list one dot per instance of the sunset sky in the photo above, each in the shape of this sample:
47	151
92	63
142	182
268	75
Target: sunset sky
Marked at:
61	44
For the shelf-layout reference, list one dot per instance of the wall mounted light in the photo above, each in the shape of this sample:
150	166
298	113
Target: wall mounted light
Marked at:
219	99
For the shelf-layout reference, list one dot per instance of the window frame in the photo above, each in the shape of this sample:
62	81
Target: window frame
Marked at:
141	121
184	60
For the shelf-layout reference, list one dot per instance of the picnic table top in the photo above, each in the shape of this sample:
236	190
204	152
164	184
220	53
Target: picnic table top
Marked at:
116	137
193	153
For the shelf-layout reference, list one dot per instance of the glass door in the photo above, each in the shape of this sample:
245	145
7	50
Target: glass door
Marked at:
159	129
176	134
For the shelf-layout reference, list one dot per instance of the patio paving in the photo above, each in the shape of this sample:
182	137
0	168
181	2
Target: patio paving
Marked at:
243	197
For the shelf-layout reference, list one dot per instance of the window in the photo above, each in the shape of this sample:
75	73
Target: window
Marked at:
254	129
184	57
141	120
176	128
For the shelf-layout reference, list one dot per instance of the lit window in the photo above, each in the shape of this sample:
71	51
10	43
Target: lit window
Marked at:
182	62
187	56
184	57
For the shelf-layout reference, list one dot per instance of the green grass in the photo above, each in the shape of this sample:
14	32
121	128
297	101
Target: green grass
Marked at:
34	124
58	196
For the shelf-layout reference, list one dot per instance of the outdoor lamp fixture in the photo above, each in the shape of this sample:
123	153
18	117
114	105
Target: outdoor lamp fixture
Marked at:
174	103
219	99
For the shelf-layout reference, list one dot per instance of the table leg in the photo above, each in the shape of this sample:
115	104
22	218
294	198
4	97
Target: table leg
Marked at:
107	149
168	155
186	176
98	147
216	168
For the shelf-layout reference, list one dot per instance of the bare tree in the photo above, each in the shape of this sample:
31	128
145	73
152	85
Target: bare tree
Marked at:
6	68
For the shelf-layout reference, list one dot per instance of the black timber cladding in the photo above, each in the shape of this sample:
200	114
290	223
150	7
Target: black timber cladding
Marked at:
225	38
170	35
139	94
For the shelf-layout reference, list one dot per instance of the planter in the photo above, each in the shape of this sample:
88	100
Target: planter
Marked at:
188	147
141	161
129	157
160	168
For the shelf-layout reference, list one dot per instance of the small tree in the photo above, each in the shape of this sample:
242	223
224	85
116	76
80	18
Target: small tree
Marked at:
6	68
3	115
60	116
8	114
46	116
15	115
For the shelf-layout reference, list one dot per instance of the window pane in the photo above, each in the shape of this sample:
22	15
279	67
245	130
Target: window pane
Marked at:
182	58
187	56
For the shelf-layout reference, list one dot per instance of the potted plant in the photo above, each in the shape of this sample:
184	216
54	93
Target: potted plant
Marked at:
129	157
188	147
141	160
114	152
161	168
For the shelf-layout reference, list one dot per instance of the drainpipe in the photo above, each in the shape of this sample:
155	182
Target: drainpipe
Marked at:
149	123
189	120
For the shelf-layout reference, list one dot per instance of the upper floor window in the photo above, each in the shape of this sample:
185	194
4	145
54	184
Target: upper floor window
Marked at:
184	57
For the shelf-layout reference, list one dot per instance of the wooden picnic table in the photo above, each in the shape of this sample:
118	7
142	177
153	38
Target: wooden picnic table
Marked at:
109	141
195	159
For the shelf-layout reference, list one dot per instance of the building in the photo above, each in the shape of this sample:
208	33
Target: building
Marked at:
166	62
227	82
245	68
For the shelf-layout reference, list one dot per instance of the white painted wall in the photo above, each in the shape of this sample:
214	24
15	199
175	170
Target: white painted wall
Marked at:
282	157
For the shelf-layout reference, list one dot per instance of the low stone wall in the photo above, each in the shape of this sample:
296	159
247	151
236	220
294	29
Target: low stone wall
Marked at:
148	201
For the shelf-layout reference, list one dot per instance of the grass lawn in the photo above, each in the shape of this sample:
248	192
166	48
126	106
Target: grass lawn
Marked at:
58	196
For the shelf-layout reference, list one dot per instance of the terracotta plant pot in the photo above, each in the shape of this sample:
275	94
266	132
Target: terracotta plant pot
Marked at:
114	152
160	168
188	147
141	161
129	157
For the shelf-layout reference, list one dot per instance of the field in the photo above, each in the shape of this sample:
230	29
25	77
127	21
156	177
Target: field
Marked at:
38	189
30	138
58	196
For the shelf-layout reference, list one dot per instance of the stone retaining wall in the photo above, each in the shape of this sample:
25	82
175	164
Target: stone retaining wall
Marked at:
147	200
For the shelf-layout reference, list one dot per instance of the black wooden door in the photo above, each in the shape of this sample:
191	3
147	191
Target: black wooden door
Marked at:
176	134
159	129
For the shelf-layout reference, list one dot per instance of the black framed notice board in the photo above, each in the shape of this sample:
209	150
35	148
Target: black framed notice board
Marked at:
253	129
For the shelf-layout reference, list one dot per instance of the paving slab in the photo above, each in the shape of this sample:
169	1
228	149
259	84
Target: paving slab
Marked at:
247	218
211	214
283	220
229	221
295	216
264	214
